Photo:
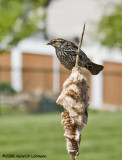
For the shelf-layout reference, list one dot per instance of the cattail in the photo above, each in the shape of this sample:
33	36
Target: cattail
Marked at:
74	99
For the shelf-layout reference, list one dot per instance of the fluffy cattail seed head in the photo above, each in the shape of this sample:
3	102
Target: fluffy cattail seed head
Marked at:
74	99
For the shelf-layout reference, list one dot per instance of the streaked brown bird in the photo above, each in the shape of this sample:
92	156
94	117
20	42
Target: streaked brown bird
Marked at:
66	52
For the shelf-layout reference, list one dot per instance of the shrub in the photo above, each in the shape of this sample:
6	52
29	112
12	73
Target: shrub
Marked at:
6	89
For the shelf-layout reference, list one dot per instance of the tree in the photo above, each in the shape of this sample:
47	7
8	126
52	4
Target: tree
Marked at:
19	19
110	28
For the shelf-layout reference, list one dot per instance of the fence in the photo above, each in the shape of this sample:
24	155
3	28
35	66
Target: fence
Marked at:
42	78
112	83
31	97
33	78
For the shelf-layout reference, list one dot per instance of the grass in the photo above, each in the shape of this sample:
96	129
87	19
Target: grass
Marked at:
43	135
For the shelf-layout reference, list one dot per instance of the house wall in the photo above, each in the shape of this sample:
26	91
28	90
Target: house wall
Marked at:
64	74
5	67
112	83
37	72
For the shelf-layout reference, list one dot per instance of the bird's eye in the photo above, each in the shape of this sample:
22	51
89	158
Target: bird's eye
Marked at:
53	41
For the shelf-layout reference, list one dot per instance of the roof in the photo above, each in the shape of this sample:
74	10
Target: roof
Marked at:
94	51
35	46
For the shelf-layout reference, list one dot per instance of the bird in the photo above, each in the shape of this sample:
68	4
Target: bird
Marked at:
67	51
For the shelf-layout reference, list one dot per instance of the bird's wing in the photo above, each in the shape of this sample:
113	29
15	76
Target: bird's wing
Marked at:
83	56
73	45
71	48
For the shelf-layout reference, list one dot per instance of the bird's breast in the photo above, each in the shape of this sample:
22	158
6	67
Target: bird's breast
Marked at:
67	60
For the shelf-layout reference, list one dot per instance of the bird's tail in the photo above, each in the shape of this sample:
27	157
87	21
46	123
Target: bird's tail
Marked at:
94	68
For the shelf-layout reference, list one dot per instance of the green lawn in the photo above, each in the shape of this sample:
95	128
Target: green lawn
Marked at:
43	135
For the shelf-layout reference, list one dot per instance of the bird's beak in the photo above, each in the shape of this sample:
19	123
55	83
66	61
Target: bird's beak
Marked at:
49	43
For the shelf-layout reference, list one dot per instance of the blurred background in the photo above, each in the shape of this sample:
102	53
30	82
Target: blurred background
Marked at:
31	76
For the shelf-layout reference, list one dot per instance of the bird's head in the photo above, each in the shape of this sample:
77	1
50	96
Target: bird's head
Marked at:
56	42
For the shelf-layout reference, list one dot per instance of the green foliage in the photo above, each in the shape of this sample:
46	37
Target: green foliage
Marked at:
110	28
6	89
20	18
48	104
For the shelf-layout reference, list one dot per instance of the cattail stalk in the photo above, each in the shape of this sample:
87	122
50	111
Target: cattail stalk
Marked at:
74	99
79	46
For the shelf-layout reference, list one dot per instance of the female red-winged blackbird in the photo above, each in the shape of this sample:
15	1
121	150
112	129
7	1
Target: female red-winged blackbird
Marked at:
66	52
